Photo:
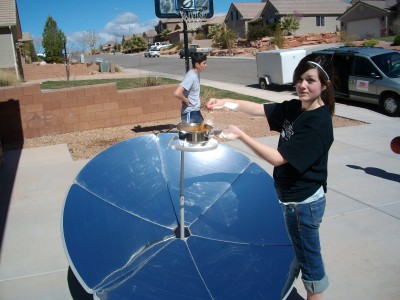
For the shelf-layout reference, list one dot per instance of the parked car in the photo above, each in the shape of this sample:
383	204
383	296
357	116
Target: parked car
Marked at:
161	45
152	52
367	74
192	49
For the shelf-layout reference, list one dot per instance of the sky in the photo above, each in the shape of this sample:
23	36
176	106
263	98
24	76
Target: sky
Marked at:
107	18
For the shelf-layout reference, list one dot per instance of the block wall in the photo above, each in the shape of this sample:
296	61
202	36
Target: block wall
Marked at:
37	72
28	112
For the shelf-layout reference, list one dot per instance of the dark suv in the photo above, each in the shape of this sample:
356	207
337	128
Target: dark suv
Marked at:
367	74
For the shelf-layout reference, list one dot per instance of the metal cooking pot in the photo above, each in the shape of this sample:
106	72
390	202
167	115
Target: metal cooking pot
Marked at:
194	133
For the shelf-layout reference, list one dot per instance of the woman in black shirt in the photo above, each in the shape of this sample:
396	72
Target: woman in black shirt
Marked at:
300	162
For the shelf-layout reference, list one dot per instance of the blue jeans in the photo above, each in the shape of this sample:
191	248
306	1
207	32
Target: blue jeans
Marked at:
302	224
192	117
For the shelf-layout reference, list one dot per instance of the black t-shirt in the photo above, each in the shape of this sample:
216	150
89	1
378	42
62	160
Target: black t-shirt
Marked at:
304	142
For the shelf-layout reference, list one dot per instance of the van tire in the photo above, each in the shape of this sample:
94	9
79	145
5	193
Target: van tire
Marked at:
390	103
263	84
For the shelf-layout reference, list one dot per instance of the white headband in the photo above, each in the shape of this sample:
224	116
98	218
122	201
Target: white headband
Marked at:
319	66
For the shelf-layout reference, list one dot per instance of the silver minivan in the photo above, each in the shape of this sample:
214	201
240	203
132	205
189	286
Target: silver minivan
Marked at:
367	74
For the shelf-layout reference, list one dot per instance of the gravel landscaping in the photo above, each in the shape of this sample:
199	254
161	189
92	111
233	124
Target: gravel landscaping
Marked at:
86	144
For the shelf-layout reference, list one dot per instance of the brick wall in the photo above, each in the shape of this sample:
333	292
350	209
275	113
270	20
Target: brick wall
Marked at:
27	112
37	71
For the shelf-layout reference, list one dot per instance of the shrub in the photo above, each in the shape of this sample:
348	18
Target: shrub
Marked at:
347	40
396	40
370	43
278	38
8	78
118	69
200	36
258	31
149	81
205	95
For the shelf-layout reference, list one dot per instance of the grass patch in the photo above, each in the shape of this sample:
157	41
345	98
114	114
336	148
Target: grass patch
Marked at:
207	92
389	38
122	83
137	82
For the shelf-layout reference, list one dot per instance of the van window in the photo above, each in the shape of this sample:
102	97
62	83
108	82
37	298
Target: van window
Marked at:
363	67
342	64
389	63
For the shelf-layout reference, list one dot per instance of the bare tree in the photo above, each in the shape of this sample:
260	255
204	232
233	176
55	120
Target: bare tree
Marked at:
37	43
90	39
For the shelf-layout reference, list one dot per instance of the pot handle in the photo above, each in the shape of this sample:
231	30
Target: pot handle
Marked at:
214	133
182	135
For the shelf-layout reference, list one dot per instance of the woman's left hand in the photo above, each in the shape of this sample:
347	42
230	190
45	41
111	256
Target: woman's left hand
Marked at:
231	133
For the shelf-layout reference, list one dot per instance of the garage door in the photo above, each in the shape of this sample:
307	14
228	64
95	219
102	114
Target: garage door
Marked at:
360	29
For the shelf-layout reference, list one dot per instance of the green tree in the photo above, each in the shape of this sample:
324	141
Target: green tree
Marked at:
29	52
290	25
135	44
53	41
164	34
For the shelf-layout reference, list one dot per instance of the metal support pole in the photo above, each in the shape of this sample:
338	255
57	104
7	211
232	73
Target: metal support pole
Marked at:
186	42
66	63
182	198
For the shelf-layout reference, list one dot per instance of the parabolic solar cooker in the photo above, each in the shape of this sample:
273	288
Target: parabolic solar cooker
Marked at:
168	217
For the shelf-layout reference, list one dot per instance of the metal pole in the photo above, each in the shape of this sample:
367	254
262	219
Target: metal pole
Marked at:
186	42
182	198
66	63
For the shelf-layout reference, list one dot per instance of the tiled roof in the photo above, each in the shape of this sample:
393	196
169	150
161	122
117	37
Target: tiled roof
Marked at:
151	33
378	4
8	13
216	20
326	7
249	10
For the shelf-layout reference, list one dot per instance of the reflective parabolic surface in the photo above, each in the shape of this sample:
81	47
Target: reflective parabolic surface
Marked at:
120	214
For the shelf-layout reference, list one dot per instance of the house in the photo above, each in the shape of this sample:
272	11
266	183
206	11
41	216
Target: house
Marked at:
10	33
175	25
107	47
216	20
150	36
240	14
366	19
315	16
167	24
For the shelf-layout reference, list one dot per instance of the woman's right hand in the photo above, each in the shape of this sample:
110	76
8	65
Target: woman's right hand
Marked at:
212	102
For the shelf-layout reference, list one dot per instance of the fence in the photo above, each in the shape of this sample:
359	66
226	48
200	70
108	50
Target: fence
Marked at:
28	112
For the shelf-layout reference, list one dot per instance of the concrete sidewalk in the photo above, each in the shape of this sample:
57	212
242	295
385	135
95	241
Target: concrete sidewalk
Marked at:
360	232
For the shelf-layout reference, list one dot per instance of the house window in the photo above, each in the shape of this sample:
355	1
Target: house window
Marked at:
234	15
320	21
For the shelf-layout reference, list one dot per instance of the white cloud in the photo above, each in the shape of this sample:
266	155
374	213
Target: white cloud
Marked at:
125	23
128	23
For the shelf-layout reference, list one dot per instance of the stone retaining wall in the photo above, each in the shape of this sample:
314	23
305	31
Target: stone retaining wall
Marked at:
38	71
28	112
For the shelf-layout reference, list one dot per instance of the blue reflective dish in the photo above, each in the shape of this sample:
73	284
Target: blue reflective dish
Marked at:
120	218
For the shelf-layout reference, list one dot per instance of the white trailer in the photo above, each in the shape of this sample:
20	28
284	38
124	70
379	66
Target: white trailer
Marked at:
277	66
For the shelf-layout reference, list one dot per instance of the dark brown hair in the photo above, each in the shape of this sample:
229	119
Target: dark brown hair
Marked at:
198	57
325	75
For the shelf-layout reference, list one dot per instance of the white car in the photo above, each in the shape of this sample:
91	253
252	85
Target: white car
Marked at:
152	52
